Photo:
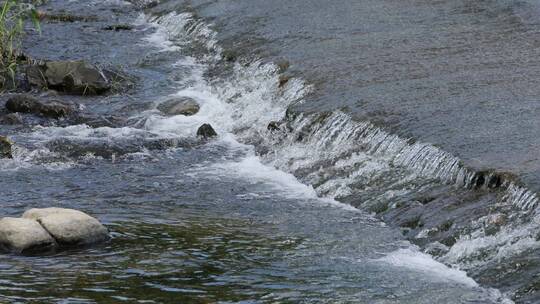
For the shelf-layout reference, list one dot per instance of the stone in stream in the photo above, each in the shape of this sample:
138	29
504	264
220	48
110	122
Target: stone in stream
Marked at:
28	104
19	235
273	126
5	147
206	131
11	119
35	76
74	77
69	227
180	106
118	27
229	55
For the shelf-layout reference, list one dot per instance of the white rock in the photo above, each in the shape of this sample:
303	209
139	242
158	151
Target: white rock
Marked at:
24	235
68	226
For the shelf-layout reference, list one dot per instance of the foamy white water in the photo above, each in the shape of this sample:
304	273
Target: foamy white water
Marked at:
340	156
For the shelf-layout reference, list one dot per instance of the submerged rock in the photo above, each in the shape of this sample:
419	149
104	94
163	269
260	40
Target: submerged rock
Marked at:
11	119
282	65
182	106
65	17
229	55
19	235
75	77
98	121
29	104
118	27
69	227
273	126
206	131
144	4
5	147
283	80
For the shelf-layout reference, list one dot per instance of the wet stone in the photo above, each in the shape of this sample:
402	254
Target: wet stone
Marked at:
11	119
283	80
179	106
118	27
19	235
229	56
206	131
5	147
273	126
29	104
35	76
282	65
65	17
74	77
69	227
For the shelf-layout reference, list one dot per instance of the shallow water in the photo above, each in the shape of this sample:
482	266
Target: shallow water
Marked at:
255	215
187	228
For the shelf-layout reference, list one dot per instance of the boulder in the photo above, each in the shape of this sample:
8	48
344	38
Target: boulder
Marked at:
181	106
69	227
5	147
206	131
19	235
28	104
35	75
74	77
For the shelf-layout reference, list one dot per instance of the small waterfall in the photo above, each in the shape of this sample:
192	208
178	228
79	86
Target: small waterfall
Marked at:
360	162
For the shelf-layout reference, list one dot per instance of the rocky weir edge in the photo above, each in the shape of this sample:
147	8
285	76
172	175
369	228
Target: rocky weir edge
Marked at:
503	185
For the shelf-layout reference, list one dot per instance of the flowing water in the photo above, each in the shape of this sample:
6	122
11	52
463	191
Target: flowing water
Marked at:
326	206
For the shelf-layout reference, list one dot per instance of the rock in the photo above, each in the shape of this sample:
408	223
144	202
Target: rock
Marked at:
75	77
273	126
182	106
206	131
282	65
229	55
5	147
29	104
69	227
35	75
21	235
98	121
118	27
283	80
11	119
64	17
144	4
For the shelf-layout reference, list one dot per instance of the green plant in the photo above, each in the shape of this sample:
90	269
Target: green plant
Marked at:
13	15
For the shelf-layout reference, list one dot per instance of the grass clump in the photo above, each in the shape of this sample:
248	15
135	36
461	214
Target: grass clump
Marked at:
13	15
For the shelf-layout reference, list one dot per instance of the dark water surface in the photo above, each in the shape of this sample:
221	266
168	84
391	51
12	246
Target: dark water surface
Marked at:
392	107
